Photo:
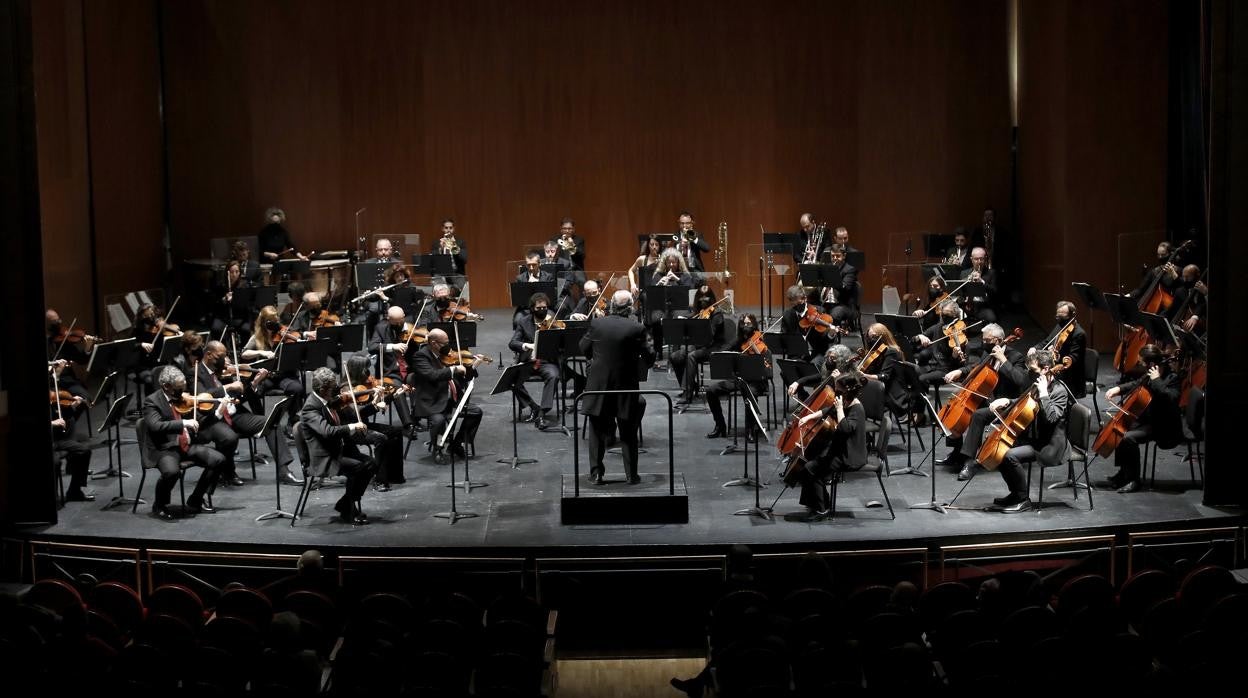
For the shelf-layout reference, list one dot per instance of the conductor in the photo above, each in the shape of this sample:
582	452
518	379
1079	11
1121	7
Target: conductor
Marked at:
616	347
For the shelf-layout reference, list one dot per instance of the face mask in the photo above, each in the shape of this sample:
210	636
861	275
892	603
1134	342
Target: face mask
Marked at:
273	325
704	302
540	313
1061	320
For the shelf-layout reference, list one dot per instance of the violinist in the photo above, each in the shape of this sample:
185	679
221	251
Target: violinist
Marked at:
1191	299
686	374
839	300
228	310
386	439
67	347
718	389
571	245
227	422
331	448
150	332
77	454
1162	421
275	240
588	303
1166	271
981	305
241	253
938	356
437	393
643	267
261	346
174	438
396	351
296	291
440	305
883	367
846	449
790	322
1012	378
935	294
456	248
303	320
1044	440
522	343
1073	344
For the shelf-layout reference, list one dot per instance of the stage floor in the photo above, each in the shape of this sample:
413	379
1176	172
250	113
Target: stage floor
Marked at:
519	509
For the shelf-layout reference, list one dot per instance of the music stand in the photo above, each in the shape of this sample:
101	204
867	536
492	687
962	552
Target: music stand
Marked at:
507	382
949	272
346	338
754	421
904	326
170	347
270	423
422	264
818	275
933	504
1095	300
666	299
1158	328
570	348
454	514
286	268
113	422
522	292
690	331
290	356
255	297
732	366
370	275
106	386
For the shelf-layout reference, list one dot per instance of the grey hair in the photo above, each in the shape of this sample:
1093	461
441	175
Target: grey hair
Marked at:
171	375
440	287
840	355
323	378
621	300
992	329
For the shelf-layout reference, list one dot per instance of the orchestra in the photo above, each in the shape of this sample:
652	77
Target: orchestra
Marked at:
202	399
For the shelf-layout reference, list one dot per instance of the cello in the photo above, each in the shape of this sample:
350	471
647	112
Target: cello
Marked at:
1154	299
976	387
1002	437
1129	412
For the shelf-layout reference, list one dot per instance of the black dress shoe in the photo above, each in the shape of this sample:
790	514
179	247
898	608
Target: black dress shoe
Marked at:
967	472
411	432
541	424
288	478
162	514
235	481
634	479
359	520
1129	487
719	432
595	478
1023	504
79	496
440	458
953	460
381	487
1004	501
458	449
198	507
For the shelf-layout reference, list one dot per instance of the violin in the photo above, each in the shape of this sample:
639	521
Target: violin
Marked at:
877	350
325	319
61	397
285	335
755	344
463	356
705	313
459	312
978	386
415	335
819	322
1001	437
359	394
204	402
1129	412
956	332
74	337
550	323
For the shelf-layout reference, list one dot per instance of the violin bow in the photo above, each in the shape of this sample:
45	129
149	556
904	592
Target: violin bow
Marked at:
864	356
160	326
412	333
351	392
56	388
61	346
286	329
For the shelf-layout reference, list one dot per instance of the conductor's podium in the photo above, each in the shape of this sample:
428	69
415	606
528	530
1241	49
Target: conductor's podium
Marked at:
660	498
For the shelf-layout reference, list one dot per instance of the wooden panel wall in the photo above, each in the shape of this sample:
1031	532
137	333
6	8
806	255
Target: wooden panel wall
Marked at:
884	117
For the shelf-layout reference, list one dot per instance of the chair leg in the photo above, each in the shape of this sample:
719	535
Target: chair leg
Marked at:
302	502
134	508
884	490
1091	505
1152	484
1040	494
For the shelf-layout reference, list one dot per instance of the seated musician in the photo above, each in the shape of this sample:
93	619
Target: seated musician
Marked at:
836	360
396	361
935	289
884	368
522	343
275	240
981	306
1167	271
571	244
531	273
439	305
685	363
846	448
671	271
302	322
263	345
937	358
377	302
251	406
1162	421
1191	300
331	449
173	439
296	291
67	352
437	395
1011	367
149	330
241	253
386	439
551	254
584	306
839	300
1074	346
718	389
1044	440
227	312
383	251
77	454
798	300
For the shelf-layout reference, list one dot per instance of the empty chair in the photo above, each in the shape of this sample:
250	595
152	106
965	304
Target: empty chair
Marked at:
248	604
179	601
119	603
1202	587
1141	591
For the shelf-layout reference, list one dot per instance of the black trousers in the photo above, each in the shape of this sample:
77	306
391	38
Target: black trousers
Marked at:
1127	455
359	470
549	372
814	492
469	422
968	444
387	443
1014	468
77	460
600	430
169	463
685	364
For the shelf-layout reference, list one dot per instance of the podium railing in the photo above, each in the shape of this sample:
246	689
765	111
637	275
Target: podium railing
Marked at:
576	436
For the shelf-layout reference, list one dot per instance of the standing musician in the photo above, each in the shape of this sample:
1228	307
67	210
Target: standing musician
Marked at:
331	448
981	306
263	345
383	251
838	301
884	368
846	450
437	393
690	243
809	248
396	355
1012	378
1194	310
296	291
936	355
385	439
571	244
225	424
453	246
228	312
671	271
960	253
1074	346
643	267
1168	272
789	322
275	240
173	439
241	253
716	390
77	454
1162	421
618	352
523	343
1044	440
686	374
842	238
66	351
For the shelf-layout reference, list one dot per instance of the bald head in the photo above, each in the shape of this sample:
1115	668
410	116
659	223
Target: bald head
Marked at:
591	288
438	336
214	346
395	315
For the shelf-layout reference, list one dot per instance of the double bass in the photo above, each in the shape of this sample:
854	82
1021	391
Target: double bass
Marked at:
1154	299
976	387
1001	437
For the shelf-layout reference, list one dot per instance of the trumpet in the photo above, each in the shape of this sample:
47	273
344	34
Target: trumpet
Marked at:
449	244
687	236
567	244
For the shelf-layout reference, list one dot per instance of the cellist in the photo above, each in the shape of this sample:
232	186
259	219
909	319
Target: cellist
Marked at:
1012	378
1044	440
1161	422
846	447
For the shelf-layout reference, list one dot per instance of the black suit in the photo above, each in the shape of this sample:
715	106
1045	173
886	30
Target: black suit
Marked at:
525	332
1161	422
577	257
1075	347
224	436
694	257
983	307
77	454
964	259
845	295
432	397
163	429
330	451
818	341
386	441
385	333
938	357
618	353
